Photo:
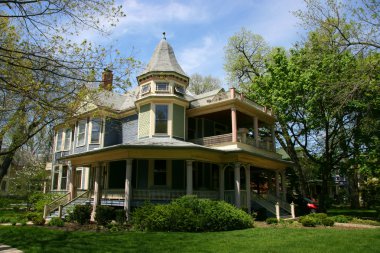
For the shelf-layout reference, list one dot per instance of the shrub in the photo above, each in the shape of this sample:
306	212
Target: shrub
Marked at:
82	214
30	215
38	220
5	219
272	221
308	221
191	214
341	218
104	215
366	222
120	216
328	222
56	221
14	222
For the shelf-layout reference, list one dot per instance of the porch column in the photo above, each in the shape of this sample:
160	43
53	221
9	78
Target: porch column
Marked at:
97	191
189	177
256	130
277	175
234	124
72	187
237	184
128	190
248	186
283	184
221	182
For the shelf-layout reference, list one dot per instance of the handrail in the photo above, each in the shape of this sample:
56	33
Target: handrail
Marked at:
55	204
87	193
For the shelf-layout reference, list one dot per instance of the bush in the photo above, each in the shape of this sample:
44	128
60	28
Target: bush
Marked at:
120	216
104	214
5	219
341	218
308	221
56	221
81	214
38	220
191	214
30	215
328	222
272	221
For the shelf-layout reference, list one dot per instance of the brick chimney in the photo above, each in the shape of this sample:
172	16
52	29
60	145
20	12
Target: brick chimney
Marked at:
107	78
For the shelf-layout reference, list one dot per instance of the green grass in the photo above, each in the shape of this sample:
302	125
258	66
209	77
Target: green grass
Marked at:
358	213
35	239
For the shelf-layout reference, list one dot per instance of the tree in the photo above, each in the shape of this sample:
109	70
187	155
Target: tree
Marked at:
44	74
201	84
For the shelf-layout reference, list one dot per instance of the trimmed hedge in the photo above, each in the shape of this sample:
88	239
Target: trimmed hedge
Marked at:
38	220
56	221
314	219
190	213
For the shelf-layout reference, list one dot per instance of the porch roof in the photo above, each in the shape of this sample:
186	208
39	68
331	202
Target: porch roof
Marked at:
169	148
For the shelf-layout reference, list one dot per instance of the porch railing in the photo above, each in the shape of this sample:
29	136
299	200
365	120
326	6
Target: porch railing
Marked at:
265	143
54	205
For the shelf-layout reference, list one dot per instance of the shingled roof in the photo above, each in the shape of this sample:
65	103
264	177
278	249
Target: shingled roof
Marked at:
163	60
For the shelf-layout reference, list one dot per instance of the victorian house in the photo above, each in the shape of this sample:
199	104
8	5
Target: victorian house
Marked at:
159	142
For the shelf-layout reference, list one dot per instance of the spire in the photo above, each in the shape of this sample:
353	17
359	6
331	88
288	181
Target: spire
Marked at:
163	59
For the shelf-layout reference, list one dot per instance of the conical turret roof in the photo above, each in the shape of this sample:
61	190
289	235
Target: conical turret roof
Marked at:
164	60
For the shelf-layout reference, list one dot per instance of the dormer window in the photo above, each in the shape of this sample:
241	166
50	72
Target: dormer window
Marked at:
162	87
145	89
179	89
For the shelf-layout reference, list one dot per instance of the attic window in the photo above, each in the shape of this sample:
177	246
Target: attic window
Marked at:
145	89
179	89
162	87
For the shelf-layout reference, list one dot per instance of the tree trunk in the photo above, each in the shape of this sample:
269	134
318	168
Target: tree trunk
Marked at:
7	160
353	188
324	196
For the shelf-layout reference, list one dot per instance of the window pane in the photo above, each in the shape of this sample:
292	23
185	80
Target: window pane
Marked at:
162	87
67	139
55	178
95	131
81	132
161	119
160	172
59	141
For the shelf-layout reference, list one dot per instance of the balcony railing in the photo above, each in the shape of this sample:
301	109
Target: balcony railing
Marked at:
265	143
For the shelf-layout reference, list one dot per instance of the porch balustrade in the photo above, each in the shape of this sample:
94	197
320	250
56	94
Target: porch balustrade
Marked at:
265	143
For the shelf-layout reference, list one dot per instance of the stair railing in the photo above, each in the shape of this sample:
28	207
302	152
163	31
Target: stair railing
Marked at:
54	205
85	194
283	204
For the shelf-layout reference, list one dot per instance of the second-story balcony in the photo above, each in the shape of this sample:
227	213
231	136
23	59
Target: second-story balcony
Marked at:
264	143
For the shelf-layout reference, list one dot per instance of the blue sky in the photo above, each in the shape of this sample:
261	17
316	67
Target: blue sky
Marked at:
198	30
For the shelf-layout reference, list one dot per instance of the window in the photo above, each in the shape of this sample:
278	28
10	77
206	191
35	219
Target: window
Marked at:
64	178
95	130
145	89
67	139
179	89
55	178
162	87
160	172
81	133
161	119
58	146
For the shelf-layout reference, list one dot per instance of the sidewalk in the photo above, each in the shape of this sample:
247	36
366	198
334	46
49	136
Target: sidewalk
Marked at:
8	249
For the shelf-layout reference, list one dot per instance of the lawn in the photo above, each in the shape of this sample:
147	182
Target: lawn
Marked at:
359	213
38	239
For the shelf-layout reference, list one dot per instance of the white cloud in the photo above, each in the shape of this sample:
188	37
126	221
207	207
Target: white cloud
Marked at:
203	58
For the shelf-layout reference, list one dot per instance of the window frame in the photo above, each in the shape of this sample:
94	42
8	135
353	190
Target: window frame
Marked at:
58	143
145	89
99	132
179	89
68	130
79	133
162	90
156	119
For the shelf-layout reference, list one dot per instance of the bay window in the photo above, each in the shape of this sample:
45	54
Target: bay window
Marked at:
161	126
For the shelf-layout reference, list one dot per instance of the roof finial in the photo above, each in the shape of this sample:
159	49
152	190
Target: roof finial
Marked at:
164	35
